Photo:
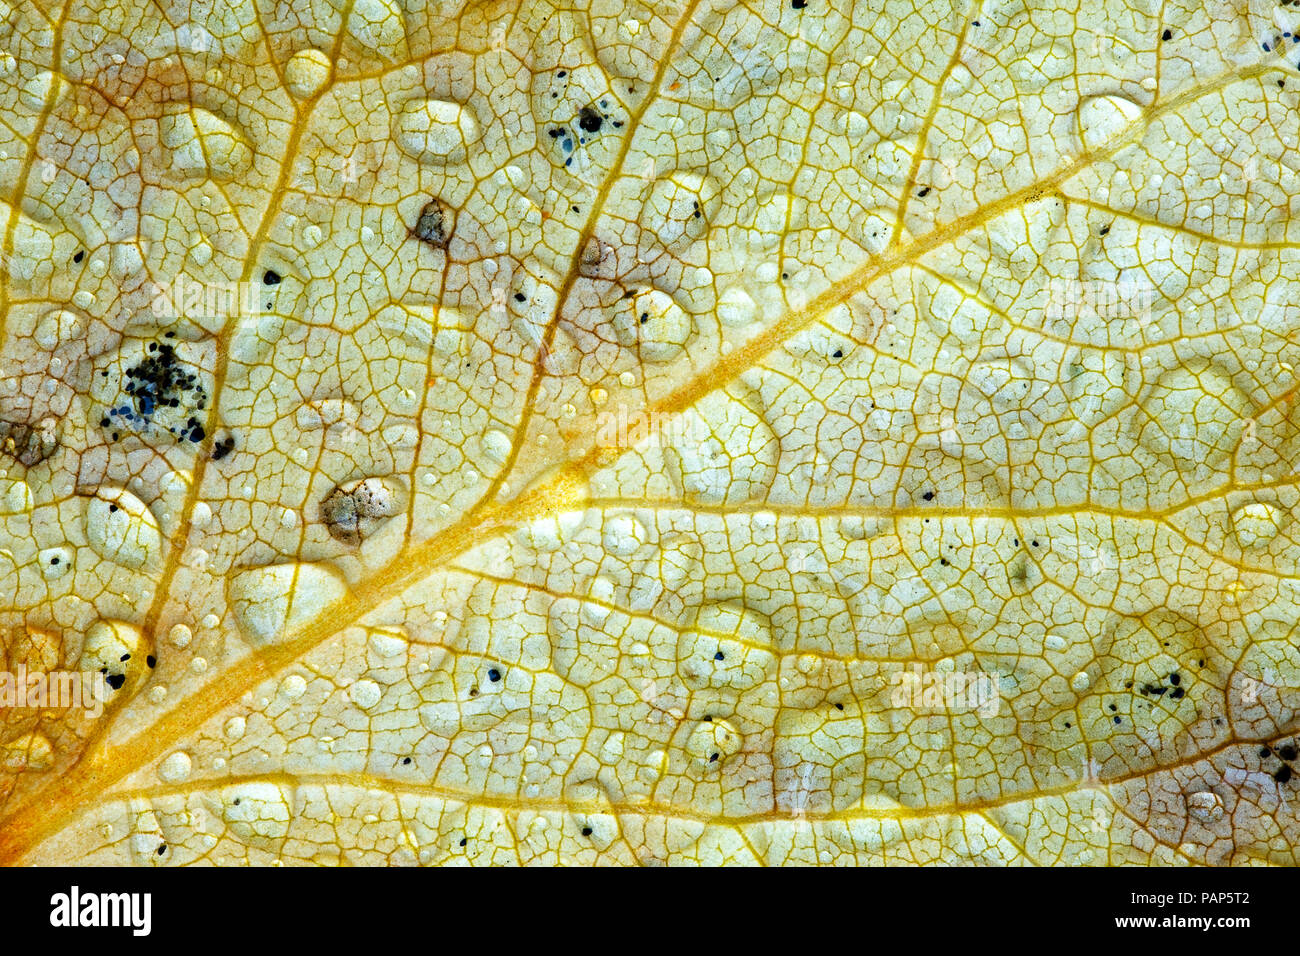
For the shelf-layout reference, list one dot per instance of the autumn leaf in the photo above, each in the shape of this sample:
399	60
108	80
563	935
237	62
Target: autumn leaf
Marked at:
647	432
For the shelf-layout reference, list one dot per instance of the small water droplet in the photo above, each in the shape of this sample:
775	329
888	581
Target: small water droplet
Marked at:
293	687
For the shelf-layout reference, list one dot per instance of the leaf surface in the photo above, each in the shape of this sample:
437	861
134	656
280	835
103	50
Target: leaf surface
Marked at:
650	432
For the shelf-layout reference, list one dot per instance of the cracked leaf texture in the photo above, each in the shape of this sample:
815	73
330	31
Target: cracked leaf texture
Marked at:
538	432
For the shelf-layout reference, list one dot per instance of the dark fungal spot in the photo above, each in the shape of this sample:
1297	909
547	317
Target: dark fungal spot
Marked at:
436	223
520	297
839	706
54	560
1287	752
29	444
162	849
354	509
494	675
81	254
713	758
405	761
125	657
1117	719
222	448
1265	752
719	656
463	841
798	4
1104	229
1282	774
162	392
1167	35
151	661
271	277
925	191
116	681
928	496
589	121
586	831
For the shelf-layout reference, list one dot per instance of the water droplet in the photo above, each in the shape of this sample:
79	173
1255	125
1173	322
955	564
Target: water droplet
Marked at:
622	535
54	563
436	131
111	646
389	641
271	600
1205	806
1102	118
856	126
306	73
121	529
15	496
736	307
1256	524
496	445
59	325
365	693
175	767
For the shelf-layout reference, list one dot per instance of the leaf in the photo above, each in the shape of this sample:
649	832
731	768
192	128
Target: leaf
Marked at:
650	433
